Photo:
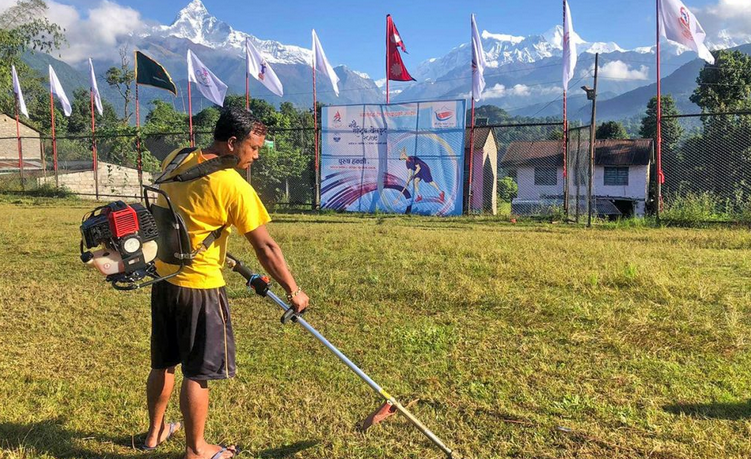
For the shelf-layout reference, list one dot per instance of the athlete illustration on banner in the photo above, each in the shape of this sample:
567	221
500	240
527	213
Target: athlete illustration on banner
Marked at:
418	171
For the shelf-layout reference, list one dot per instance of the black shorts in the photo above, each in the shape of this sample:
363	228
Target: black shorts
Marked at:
192	327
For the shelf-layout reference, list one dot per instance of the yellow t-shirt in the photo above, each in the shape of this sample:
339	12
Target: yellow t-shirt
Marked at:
207	203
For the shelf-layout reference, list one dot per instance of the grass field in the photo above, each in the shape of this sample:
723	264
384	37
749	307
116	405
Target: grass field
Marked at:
526	341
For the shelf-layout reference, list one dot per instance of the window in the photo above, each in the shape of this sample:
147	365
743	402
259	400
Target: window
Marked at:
616	176
546	176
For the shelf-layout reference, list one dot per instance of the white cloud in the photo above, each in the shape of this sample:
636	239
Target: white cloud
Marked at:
727	17
519	90
95	32
619	70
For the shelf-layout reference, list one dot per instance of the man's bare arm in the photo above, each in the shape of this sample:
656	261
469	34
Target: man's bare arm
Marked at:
271	258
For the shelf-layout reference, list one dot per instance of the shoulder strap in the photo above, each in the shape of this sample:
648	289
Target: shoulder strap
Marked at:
199	170
174	164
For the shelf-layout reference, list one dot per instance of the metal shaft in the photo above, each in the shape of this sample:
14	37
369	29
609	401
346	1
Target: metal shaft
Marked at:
378	389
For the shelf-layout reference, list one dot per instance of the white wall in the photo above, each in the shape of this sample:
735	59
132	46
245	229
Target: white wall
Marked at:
525	178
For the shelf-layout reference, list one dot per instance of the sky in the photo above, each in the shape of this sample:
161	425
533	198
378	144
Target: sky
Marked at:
353	33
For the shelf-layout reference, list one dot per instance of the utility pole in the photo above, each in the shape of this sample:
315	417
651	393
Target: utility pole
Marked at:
592	95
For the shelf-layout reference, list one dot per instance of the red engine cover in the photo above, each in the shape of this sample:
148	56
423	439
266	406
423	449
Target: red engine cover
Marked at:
123	222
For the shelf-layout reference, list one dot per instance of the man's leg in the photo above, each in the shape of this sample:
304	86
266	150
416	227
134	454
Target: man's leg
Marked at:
158	390
194	404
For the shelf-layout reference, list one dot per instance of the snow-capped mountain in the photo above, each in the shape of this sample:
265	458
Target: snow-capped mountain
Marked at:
195	23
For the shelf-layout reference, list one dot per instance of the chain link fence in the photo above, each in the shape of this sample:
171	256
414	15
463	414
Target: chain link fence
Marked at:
577	173
516	169
707	167
283	175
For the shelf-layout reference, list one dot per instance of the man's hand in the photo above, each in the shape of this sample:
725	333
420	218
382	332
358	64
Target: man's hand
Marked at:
300	302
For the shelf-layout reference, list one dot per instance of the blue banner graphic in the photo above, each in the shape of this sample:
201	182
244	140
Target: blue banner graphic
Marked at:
397	158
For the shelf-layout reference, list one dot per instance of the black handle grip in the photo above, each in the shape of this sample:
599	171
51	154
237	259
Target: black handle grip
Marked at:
240	268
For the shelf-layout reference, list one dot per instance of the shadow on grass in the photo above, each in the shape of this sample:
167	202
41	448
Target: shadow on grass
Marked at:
729	411
51	438
286	451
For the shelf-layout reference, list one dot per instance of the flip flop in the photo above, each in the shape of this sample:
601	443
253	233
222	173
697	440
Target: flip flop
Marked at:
173	426
222	451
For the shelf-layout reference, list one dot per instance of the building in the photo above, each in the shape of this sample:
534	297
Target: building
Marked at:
31	147
484	171
621	175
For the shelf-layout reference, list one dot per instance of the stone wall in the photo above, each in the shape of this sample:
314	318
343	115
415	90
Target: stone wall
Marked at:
113	180
9	142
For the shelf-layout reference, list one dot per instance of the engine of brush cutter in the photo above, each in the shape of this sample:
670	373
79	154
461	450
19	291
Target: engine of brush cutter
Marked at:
124	237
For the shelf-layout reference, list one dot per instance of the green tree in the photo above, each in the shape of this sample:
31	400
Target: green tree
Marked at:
726	85
23	28
122	78
79	122
611	130
671	127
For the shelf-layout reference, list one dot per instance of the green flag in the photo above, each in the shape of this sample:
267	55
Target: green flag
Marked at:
151	73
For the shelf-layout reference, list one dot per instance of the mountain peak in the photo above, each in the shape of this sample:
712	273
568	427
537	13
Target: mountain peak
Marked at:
196	6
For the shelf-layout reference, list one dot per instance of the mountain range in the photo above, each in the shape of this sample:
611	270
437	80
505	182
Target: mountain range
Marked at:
523	74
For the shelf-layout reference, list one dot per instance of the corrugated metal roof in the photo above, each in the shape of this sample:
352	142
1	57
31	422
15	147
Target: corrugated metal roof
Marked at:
629	152
481	136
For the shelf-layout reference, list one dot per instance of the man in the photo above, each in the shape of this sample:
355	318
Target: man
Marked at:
418	170
191	322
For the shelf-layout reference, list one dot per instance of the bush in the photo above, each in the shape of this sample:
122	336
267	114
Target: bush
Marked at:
507	189
693	208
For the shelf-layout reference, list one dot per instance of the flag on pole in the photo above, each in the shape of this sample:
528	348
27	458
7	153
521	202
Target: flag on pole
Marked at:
680	26
321	64
397	70
95	89
478	63
569	47
210	86
17	90
150	73
57	89
257	66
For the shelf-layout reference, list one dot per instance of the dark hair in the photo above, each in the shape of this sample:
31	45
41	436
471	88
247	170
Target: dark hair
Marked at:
237	122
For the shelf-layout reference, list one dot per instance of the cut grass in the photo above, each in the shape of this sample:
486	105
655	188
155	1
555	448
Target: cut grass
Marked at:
529	341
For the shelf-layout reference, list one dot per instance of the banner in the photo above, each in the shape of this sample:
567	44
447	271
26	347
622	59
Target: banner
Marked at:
398	158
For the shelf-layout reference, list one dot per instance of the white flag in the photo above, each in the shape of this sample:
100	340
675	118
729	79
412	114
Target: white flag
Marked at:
478	63
95	89
210	86
17	90
680	26
57	90
321	64
259	68
569	47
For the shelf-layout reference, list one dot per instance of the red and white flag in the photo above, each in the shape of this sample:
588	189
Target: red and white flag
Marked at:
680	26
396	68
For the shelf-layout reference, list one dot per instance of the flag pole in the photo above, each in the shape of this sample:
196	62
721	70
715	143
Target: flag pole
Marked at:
54	139
95	162
190	116
565	128
20	147
247	91
317	203
658	140
471	133
139	159
387	58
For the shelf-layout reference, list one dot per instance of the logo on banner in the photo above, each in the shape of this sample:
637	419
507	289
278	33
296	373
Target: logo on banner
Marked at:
685	20
262	73
337	138
337	121
444	117
202	77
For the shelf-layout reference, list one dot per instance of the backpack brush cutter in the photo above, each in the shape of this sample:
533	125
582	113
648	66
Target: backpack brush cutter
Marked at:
260	285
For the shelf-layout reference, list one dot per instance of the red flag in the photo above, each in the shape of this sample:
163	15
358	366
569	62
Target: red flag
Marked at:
397	71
